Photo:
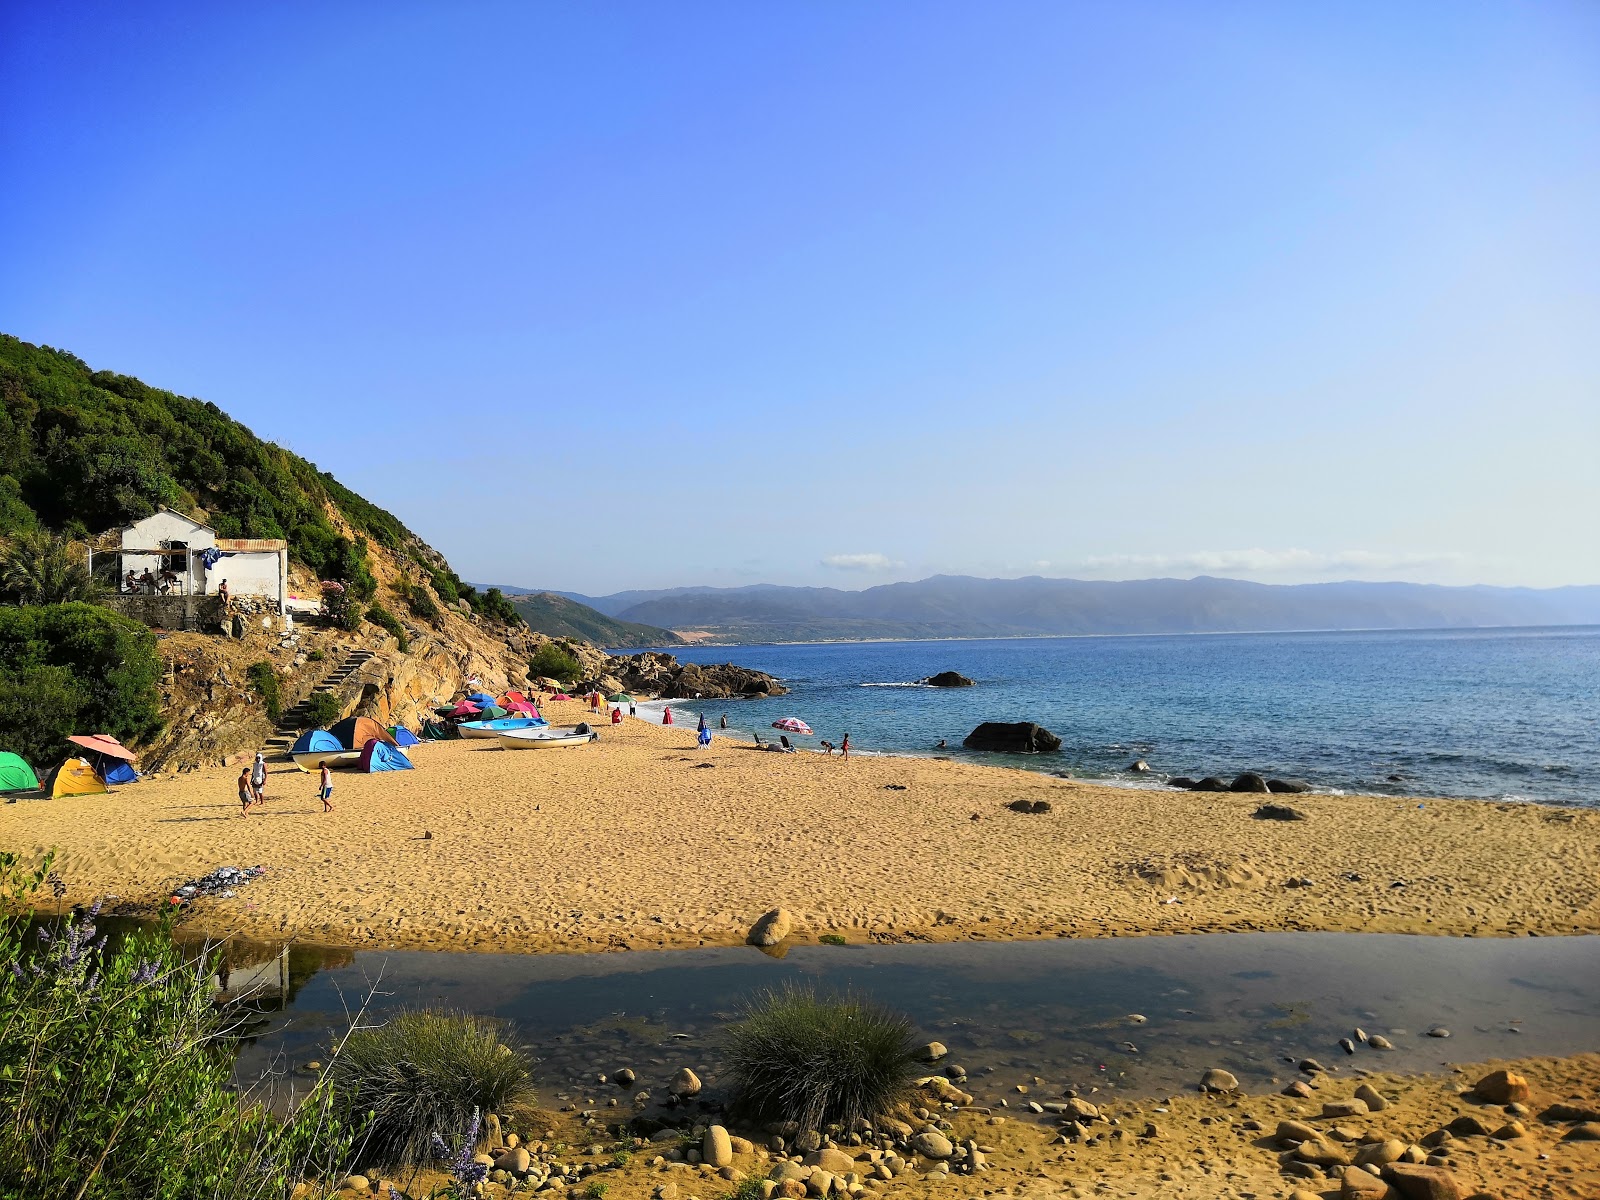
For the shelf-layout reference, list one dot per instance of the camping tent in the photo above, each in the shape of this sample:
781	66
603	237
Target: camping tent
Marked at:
403	737
313	740
16	775
75	777
482	698
355	732
380	756
121	772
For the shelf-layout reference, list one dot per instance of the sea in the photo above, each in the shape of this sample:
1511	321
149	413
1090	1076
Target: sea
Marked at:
1511	714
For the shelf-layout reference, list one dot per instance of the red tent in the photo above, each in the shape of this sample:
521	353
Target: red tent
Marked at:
103	743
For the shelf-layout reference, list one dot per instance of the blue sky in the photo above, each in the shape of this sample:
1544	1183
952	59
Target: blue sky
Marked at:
633	295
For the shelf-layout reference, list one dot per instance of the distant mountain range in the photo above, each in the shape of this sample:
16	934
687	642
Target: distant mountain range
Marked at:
956	606
562	616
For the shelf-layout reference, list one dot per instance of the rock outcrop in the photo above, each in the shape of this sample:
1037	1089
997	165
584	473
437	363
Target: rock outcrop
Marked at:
664	676
1012	737
947	679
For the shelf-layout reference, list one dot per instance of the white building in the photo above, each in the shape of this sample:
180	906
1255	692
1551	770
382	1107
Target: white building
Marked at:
174	551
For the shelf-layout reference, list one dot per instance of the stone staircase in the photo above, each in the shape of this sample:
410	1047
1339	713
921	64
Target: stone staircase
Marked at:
295	720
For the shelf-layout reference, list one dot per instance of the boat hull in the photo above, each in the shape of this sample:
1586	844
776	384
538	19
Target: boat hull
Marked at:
493	729
546	739
310	760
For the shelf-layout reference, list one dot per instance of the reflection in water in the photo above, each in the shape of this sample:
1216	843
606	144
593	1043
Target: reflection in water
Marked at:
1145	1014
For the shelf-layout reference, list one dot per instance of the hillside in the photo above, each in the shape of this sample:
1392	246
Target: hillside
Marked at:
559	617
962	607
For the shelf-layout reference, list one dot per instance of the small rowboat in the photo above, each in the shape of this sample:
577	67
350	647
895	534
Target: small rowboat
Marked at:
491	729
310	760
551	737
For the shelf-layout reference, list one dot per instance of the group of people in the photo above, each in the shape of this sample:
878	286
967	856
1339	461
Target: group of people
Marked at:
253	786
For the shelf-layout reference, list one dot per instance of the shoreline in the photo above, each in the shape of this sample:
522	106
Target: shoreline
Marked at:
641	841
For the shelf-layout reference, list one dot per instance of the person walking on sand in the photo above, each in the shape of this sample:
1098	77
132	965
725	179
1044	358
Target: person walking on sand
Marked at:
844	747
258	777
325	787
247	794
666	715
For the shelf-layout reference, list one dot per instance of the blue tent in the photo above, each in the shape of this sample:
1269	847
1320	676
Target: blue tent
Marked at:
314	740
380	756
481	698
404	737
122	772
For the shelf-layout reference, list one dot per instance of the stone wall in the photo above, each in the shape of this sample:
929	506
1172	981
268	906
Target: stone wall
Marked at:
192	614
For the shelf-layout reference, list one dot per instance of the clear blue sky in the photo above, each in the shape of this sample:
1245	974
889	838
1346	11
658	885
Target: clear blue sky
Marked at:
843	293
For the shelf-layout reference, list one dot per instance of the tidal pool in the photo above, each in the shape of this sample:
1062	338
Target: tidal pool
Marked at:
1064	1012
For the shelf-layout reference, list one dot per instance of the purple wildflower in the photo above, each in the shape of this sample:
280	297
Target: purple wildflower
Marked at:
461	1166
145	972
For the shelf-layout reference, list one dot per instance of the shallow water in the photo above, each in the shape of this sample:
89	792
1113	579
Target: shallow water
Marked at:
1501	713
1008	1012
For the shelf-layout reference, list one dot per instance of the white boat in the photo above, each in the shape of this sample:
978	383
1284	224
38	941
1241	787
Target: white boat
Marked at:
489	729
310	760
551	737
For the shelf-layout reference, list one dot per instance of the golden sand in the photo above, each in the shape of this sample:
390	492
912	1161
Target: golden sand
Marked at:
643	840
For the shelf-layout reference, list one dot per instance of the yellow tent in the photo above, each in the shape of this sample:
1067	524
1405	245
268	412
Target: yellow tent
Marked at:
75	777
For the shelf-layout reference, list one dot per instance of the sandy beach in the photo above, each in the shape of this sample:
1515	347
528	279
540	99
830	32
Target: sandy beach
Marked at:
642	840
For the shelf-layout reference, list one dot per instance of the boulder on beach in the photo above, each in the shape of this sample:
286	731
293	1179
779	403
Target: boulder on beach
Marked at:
1503	1087
1288	786
772	927
1278	812
1248	781
947	679
1012	737
1181	781
1210	784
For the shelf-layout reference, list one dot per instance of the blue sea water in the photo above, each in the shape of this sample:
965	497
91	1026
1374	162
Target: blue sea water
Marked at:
1503	713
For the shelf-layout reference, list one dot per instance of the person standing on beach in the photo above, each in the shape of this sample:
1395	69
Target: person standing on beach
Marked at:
247	793
666	715
844	746
325	787
258	778
632	711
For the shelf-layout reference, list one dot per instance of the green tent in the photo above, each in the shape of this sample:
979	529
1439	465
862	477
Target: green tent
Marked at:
16	775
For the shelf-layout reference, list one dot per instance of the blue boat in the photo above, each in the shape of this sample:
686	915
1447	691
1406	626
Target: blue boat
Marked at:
493	729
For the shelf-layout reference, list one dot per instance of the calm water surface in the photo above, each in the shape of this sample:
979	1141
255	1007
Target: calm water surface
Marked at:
1485	713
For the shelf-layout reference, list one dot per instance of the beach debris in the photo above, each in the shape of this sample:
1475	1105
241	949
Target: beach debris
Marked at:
1503	1087
221	883
894	787
772	927
1278	812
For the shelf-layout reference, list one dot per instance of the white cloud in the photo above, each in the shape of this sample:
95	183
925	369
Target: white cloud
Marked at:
1258	561
860	562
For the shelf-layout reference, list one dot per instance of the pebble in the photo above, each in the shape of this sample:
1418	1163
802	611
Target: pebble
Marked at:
1378	1042
1373	1098
1218	1080
1438	1031
932	1052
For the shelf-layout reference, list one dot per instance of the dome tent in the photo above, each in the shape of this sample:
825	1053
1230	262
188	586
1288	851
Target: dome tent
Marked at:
380	756
75	777
403	737
16	775
313	740
355	732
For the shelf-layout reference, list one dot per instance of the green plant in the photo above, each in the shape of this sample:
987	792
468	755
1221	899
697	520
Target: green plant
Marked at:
41	568
423	1072
748	1189
495	605
418	600
621	1158
116	1072
315	656
550	659
322	710
86	666
350	616
833	939
597	1189
387	621
265	681
818	1060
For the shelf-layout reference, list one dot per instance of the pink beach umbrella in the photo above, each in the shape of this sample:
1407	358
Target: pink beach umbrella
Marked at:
522	706
465	709
792	725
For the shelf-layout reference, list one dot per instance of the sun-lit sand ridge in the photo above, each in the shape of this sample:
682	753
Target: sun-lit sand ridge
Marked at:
636	842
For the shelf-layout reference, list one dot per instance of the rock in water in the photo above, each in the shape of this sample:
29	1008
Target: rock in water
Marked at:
1218	1080
932	1052
685	1083
1378	1042
1181	781
1249	781
1012	737
772	928
716	1148
1290	786
946	679
1210	784
1138	766
624	1077
1503	1087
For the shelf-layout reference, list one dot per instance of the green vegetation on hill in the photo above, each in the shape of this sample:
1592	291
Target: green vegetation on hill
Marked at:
548	613
83	451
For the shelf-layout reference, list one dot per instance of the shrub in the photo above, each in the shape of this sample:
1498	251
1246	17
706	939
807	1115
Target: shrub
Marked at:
116	1070
350	616
386	620
39	568
322	710
795	1056
422	1073
417	600
496	605
93	669
550	659
315	656
265	681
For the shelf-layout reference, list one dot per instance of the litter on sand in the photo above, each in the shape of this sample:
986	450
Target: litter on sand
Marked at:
220	883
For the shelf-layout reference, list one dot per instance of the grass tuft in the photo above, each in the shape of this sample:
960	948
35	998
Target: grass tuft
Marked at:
422	1073
797	1056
